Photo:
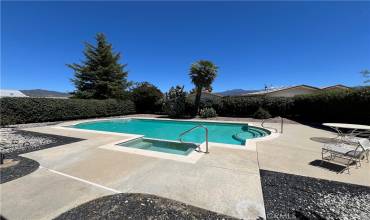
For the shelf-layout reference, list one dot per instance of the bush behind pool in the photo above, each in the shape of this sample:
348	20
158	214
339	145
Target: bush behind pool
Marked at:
207	113
30	110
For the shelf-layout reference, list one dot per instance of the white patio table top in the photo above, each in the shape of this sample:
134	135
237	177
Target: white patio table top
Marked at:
347	126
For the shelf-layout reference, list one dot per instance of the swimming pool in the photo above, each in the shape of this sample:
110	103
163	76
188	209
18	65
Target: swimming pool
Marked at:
226	133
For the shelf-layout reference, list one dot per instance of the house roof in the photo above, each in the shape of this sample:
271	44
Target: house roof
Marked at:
11	93
338	86
269	91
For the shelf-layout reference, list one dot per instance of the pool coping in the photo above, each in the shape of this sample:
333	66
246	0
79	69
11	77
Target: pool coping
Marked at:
193	157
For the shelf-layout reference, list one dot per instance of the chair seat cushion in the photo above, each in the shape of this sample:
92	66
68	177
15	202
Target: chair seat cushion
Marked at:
344	149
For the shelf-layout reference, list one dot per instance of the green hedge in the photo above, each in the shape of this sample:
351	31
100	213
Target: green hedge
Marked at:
29	110
336	106
244	106
348	106
352	106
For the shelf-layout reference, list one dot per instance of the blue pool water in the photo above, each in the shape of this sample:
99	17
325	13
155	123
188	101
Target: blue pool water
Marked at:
160	146
227	133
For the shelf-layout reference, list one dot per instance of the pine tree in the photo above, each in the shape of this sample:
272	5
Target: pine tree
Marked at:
100	76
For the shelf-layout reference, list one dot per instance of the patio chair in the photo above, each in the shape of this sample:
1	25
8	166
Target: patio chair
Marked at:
349	153
355	136
365	143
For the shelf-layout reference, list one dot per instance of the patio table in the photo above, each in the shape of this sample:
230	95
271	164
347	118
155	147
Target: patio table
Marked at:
352	127
348	143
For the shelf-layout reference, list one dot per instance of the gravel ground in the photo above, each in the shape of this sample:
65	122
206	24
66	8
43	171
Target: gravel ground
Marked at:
17	142
22	166
32	125
289	196
138	206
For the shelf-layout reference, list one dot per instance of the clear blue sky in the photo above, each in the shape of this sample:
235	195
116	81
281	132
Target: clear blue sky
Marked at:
253	43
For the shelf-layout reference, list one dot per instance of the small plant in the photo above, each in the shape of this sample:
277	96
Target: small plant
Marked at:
208	113
261	114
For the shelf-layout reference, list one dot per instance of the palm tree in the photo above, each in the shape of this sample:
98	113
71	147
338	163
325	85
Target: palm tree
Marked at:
202	74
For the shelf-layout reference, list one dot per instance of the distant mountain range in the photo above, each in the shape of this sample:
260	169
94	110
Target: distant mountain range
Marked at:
48	93
44	93
235	92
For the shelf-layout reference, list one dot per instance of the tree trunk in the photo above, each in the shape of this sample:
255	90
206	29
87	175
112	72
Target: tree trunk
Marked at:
197	99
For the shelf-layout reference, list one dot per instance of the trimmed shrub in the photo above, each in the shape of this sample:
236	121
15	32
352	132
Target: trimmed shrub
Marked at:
245	106
207	113
278	106
147	98
30	110
349	106
189	107
261	114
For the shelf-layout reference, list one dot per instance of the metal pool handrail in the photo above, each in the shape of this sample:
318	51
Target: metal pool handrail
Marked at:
281	124
193	128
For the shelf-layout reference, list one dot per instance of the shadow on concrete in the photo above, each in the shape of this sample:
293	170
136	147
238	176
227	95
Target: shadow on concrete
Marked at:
328	166
324	140
310	123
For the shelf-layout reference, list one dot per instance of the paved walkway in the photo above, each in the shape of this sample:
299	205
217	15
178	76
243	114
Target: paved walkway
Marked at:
225	181
299	147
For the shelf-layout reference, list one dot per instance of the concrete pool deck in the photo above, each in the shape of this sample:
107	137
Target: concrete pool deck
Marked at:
226	180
